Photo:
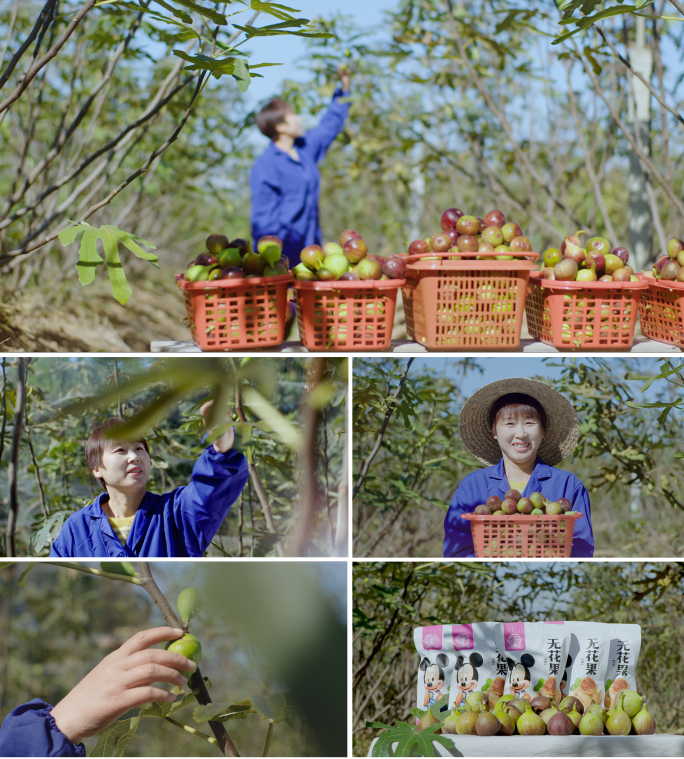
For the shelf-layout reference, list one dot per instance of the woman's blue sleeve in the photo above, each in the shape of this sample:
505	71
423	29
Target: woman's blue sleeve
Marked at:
321	137
200	507
583	536
458	540
30	730
266	199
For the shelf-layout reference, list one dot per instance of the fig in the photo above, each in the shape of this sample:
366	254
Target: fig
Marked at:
467	243
551	257
574	716
492	235
554	509
312	256
560	724
530	723
506	723
206	259
599	711
670	271
537	499
510	231
520	704
514	495
674	247
494	219
483	247
487	724
618	722
494	501
548	713
217	243
347	235
253	264
465	723
441	242
394	267
575	253
189	604
355	250
565	270
525	506
509	506
548	273
478	701
567	704
468	225
449	724
453	236
631	702
540	703
483	510
189	647
270	248
622	254
519	244
450	218
599	244
565	504
591	724
119	568
369	269
508	709
418	247
428	720
596	258
643	723
229	257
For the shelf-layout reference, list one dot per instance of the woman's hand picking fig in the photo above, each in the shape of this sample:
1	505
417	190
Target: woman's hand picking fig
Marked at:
224	442
121	681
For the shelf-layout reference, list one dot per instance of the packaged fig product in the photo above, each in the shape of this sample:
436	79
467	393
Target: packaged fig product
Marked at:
458	660
625	644
536	658
587	661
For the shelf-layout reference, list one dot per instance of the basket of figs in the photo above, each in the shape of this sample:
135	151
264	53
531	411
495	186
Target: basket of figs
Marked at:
661	308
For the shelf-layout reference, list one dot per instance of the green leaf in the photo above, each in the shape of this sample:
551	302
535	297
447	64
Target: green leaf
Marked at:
274	706
120	287
48	531
223	712
273	9
410	741
282	427
217	18
241	74
113	740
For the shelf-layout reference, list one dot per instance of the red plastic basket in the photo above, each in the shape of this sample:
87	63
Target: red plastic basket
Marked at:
583	315
346	316
233	314
468	304
661	311
522	535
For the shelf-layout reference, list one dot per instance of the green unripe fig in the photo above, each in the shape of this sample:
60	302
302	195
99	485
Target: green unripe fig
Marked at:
189	604
189	647
119	568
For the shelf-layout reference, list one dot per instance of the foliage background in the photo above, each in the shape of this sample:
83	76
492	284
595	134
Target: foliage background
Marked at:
62	622
626	457
480	110
392	598
55	449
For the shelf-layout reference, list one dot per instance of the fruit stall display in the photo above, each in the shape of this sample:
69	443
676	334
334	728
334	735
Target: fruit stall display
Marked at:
466	285
345	298
237	298
584	298
661	308
516	527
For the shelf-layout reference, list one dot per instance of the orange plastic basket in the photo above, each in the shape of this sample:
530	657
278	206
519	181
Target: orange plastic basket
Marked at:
522	535
661	311
346	316
583	315
232	314
468	304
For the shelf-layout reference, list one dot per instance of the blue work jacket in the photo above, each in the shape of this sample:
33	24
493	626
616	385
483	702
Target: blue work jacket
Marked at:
180	523
285	192
30	730
552	483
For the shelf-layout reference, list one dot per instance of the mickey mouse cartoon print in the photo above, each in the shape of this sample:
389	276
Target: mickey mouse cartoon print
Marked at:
467	678
519	678
433	678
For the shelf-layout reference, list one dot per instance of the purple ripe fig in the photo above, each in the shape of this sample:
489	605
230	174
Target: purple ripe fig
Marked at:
483	510
468	243
484	247
350	276
670	271
590	724
565	504
530	723
428	720
560	724
465	723
525	506
494	502
596	258
233	272
487	724
495	219
570	702
206	259
441	242
540	703
507	708
418	247
468	225
509	506
347	235
643	723
394	267
520	704
217	243
450	218
548	713
514	495
622	254
519	244
312	256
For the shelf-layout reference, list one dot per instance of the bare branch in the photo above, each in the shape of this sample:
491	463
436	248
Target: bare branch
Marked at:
38	26
13	467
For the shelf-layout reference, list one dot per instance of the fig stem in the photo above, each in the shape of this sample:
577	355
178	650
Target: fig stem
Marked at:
269	734
192	730
148	583
93	571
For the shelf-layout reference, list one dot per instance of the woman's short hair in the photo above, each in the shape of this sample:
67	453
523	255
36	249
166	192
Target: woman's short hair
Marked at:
272	114
100	440
518	406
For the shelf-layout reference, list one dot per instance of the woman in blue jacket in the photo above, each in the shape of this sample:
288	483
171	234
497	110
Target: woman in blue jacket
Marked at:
285	179
520	428
127	521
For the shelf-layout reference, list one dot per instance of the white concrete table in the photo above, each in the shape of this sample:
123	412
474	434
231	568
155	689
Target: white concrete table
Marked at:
640	345
548	745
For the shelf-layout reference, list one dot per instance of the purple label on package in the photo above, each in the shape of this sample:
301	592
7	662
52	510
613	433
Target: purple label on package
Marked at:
462	636
432	637
514	636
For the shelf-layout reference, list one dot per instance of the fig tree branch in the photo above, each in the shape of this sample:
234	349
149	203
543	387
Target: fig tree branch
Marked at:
13	467
254	475
98	572
45	12
192	730
269	735
341	544
4	407
391	405
151	587
31	74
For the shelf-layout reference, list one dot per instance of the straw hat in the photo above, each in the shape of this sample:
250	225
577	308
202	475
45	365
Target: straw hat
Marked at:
562	424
